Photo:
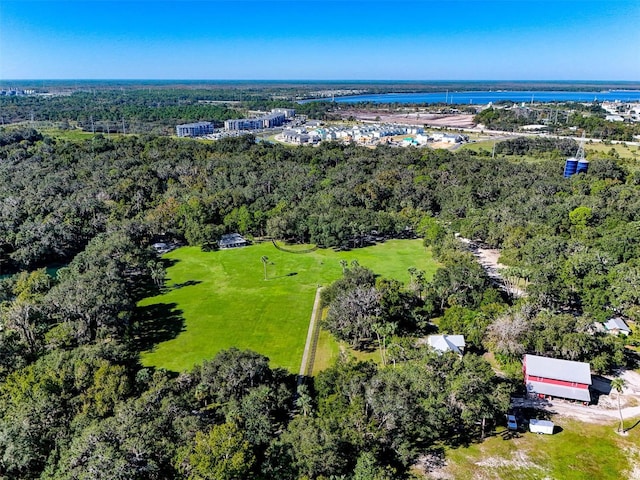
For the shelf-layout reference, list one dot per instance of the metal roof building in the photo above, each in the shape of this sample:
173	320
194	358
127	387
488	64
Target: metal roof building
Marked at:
447	343
232	240
617	325
557	378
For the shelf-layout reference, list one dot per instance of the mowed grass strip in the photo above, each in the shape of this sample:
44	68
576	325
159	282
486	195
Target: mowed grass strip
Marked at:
581	451
225	301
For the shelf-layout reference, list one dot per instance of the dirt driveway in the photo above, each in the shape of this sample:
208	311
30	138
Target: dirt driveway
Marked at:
605	409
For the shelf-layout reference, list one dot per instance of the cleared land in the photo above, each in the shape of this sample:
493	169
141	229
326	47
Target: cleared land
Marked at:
458	120
215	300
578	451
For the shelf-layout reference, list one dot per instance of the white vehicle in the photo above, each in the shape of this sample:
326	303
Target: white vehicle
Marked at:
541	426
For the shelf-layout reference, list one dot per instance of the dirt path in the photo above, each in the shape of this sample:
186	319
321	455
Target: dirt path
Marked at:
488	259
592	413
312	334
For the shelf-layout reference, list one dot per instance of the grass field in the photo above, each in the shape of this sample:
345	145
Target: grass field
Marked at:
478	145
72	135
216	300
592	150
580	451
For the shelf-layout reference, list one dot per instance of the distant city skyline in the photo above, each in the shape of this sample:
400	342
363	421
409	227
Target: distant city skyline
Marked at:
320	40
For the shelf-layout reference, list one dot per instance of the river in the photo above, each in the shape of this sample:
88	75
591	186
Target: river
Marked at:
484	97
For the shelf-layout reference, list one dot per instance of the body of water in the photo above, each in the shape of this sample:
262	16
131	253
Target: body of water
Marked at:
483	98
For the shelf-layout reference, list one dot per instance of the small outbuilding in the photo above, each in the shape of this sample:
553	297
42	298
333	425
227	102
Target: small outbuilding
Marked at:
617	325
554	377
232	240
164	247
447	343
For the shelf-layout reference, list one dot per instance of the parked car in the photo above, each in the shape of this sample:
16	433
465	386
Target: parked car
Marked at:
512	423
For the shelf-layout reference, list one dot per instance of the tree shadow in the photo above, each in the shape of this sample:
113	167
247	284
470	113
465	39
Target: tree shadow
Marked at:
632	426
291	274
153	324
189	283
168	262
142	286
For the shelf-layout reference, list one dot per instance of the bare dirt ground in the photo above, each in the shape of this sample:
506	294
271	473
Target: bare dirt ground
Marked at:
412	118
488	259
606	408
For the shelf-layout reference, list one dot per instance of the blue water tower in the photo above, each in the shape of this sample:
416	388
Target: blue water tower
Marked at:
570	167
583	166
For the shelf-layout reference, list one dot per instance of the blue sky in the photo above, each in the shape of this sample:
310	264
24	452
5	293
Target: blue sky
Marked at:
320	39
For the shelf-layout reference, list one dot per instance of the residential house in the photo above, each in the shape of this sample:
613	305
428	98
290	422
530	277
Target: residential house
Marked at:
617	325
232	240
447	343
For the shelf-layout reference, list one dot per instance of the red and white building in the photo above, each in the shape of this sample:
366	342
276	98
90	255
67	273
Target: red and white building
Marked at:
553	377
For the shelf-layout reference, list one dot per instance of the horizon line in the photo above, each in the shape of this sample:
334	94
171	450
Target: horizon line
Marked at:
306	80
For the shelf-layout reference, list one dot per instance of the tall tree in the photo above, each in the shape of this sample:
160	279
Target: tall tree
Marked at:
265	261
221	454
618	385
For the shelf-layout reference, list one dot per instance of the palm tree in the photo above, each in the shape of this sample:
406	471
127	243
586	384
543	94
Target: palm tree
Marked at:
343	264
304	401
265	260
158	273
382	331
618	385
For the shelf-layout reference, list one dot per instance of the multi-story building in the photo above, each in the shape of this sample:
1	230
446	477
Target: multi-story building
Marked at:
274	119
194	129
288	112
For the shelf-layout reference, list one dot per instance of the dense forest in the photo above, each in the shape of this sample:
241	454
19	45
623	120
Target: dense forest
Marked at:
75	402
155	110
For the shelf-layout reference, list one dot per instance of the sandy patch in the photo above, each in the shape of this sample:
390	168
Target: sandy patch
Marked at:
458	120
433	466
518	460
444	145
634	459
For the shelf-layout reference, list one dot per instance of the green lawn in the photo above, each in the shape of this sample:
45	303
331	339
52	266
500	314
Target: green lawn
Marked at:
224	301
622	149
478	145
580	451
630	155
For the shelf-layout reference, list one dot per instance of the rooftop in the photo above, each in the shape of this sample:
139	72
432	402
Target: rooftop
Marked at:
554	368
446	343
197	124
616	323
